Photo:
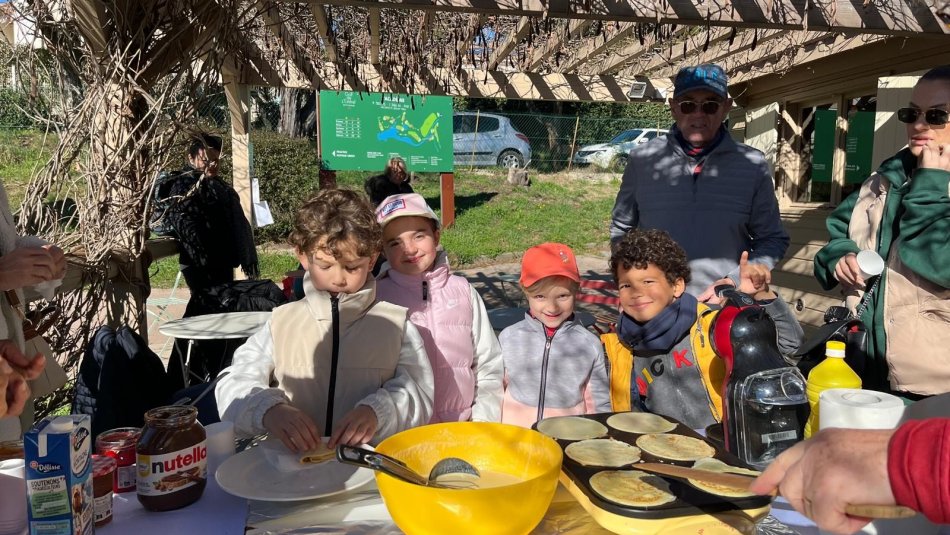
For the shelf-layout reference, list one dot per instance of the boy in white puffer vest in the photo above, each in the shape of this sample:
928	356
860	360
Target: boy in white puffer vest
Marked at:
445	308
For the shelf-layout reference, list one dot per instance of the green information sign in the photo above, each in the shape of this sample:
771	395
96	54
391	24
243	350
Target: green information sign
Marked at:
823	147
362	131
859	147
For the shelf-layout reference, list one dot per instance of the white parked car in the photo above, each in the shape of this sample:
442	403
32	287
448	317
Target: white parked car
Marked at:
492	141
613	154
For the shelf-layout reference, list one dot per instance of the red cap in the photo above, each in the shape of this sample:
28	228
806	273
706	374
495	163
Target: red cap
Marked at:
548	260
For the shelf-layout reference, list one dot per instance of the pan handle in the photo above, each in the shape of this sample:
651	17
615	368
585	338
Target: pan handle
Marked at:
380	463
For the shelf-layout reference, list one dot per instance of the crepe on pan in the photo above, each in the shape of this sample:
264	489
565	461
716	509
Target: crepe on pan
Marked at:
675	447
320	454
631	487
715	465
603	452
640	422
571	428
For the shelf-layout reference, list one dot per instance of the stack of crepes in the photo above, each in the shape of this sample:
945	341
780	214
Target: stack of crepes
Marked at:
285	460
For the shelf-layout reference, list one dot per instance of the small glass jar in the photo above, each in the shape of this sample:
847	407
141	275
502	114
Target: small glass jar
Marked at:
172	458
120	444
103	476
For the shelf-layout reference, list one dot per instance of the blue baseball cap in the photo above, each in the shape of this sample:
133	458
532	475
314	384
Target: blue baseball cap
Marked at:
708	76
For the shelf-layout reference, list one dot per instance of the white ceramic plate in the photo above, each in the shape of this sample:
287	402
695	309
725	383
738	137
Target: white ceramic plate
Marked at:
249	475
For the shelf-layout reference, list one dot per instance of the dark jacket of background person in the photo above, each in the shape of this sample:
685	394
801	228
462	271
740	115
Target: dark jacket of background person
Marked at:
119	379
379	187
729	206
912	237
213	235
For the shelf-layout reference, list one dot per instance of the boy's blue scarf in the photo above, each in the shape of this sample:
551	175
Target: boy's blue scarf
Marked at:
662	332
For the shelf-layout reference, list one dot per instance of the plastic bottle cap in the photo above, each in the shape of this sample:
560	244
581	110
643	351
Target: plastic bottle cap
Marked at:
834	349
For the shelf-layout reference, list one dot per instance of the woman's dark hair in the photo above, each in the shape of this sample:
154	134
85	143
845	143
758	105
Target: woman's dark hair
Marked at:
937	74
641	247
204	141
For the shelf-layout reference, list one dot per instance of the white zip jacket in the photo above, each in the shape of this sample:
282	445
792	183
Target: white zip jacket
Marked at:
403	400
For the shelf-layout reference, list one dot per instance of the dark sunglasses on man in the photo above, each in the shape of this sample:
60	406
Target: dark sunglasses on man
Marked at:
710	107
933	116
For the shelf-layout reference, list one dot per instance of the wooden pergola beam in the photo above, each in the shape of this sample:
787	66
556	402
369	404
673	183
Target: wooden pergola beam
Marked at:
474	27
616	60
491	84
595	45
505	49
294	53
891	17
719	51
320	19
374	36
573	29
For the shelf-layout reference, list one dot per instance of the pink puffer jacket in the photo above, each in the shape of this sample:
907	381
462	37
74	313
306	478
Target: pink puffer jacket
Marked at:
440	307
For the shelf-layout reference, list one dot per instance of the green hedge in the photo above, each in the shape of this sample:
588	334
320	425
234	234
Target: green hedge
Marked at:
287	170
12	104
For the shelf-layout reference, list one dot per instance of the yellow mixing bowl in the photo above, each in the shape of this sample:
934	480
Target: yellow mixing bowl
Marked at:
513	509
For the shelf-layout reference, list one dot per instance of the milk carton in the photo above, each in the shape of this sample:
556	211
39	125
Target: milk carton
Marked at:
58	452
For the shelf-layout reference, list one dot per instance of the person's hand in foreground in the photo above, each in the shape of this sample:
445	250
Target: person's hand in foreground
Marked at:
27	266
15	370
292	426
356	427
834	468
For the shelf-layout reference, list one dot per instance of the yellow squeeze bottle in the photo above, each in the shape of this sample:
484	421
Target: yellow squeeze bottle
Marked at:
833	372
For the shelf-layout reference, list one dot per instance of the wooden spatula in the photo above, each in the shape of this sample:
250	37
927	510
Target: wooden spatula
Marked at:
740	481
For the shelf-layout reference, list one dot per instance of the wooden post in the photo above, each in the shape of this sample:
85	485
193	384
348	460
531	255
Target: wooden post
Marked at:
570	159
239	104
447	184
841	139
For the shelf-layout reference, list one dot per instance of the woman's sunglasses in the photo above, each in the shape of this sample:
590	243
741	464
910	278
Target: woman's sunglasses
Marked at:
933	116
710	107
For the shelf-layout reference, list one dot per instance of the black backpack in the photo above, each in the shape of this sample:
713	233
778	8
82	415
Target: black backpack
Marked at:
120	378
842	328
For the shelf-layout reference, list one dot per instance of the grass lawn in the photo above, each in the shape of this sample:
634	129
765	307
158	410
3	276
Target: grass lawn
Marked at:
492	218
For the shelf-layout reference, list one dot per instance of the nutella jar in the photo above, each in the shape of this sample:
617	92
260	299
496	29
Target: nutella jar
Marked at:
172	458
120	444
103	474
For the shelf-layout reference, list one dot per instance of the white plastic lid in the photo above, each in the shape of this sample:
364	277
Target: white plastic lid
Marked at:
61	424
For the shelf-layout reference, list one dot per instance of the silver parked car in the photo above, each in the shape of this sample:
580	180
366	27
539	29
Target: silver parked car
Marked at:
492	141
613	154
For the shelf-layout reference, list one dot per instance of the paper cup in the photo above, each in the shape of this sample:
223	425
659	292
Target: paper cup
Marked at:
220	443
870	263
13	491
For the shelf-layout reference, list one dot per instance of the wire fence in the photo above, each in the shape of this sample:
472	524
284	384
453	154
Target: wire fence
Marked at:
539	142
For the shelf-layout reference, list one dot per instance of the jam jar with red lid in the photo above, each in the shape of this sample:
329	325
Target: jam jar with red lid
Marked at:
172	458
120	444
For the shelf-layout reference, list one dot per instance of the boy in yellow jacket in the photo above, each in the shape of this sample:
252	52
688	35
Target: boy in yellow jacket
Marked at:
661	357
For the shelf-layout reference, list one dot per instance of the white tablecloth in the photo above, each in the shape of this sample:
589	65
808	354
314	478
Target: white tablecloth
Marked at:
216	513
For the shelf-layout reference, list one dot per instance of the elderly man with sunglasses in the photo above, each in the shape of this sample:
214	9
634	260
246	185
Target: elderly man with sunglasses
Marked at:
714	196
903	213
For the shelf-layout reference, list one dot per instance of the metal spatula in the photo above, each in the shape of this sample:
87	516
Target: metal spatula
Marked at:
740	481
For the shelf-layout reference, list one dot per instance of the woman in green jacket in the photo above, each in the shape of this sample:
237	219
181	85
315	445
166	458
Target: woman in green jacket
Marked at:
903	213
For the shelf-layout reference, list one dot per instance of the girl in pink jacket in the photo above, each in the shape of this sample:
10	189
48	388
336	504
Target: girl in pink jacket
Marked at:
445	308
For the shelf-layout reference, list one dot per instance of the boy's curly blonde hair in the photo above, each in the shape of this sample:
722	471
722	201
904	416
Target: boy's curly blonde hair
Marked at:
335	220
